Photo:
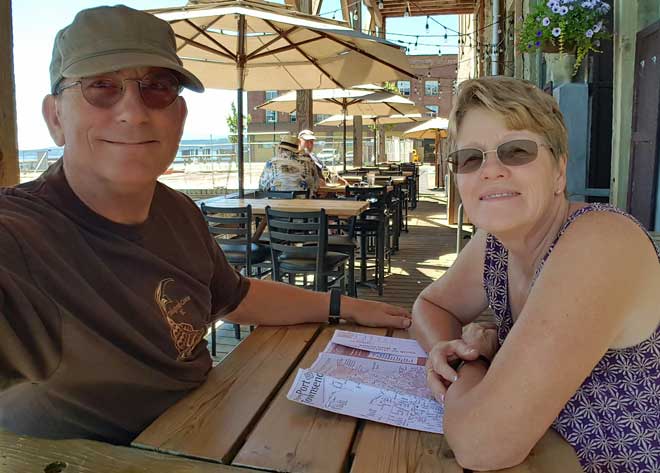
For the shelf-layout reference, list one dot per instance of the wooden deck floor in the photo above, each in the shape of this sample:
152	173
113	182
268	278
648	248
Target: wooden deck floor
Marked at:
425	253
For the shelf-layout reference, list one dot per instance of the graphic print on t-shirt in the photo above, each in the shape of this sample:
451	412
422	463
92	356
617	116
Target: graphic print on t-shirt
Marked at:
184	335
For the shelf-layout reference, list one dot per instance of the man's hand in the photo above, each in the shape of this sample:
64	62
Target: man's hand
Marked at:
374	314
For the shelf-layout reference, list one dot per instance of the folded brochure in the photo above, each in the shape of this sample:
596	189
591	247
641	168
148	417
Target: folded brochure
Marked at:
377	378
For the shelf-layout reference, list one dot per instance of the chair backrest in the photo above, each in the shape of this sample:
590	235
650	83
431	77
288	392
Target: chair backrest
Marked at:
287	194
297	235
391	173
231	227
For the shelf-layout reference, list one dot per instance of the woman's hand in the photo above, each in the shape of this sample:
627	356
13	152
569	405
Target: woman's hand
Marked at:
482	337
374	314
439	372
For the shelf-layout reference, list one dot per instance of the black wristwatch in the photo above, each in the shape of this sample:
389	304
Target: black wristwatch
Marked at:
335	306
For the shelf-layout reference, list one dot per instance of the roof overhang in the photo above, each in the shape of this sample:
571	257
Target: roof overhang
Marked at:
397	8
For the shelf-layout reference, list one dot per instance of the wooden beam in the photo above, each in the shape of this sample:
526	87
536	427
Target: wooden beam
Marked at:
9	175
374	13
316	6
345	11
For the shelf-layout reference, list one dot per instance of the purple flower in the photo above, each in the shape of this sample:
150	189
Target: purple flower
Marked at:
571	7
552	3
589	33
563	10
556	32
539	33
546	21
555	9
537	44
597	27
529	45
588	4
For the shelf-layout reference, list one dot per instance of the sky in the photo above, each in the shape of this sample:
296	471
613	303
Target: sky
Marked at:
35	23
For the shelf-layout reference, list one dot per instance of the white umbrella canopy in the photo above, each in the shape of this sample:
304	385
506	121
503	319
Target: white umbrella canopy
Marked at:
349	101
257	45
374	119
281	48
429	130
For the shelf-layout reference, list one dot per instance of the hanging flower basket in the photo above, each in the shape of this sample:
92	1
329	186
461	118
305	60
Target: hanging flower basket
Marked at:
565	26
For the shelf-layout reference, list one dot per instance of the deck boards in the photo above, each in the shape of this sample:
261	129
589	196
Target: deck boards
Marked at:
425	253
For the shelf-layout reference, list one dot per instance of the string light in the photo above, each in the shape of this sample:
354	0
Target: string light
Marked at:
427	24
381	5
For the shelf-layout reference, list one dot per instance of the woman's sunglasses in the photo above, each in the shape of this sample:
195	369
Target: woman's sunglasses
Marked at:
157	89
511	153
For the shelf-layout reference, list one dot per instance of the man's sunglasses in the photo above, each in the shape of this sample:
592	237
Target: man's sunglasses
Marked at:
511	153
157	89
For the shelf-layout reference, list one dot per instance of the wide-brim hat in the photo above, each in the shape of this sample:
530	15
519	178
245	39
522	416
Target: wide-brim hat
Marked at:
289	143
106	39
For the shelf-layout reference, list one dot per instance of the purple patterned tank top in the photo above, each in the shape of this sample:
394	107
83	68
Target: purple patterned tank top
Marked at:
613	420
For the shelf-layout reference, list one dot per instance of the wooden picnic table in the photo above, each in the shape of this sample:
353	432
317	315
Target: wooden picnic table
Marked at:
333	207
241	417
21	454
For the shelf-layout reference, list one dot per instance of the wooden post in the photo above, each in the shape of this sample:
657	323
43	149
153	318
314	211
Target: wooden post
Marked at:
304	106
9	175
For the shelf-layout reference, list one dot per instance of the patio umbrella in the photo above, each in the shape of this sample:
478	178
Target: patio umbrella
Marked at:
348	102
374	120
254	45
433	129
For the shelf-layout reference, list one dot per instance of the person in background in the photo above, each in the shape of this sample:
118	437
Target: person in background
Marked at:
110	280
573	287
306	140
289	170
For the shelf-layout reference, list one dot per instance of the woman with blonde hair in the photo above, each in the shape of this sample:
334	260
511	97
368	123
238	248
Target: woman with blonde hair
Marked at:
574	288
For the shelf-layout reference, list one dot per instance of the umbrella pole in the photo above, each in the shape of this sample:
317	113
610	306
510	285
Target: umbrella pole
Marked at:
344	112
239	101
375	141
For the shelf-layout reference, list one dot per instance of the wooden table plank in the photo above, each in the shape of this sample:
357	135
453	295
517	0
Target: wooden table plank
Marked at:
334	207
213	420
291	437
20	454
551	454
388	449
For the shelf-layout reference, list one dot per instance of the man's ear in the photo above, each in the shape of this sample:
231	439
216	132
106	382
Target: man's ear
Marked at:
50	112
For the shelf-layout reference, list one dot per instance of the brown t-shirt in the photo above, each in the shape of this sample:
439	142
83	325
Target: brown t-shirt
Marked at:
102	324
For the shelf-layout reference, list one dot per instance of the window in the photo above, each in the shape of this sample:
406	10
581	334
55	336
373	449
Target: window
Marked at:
404	87
431	87
271	117
320	117
433	109
293	117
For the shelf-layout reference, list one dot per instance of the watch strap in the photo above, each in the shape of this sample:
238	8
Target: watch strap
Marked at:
335	306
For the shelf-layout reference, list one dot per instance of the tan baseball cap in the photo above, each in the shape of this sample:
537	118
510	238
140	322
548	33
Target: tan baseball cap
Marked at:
105	39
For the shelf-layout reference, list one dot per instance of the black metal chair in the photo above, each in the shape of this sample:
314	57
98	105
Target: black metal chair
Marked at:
372	230
231	228
299	246
341	239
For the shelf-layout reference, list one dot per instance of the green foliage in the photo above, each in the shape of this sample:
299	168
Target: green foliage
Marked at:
391	87
565	26
232	123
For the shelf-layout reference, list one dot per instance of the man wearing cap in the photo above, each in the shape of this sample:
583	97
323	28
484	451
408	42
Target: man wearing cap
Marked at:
289	170
306	147
109	280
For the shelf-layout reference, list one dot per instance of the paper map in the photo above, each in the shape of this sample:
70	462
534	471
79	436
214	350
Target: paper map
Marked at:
376	378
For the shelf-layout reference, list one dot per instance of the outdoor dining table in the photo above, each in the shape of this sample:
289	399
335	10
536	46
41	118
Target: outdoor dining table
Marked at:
332	207
241	417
